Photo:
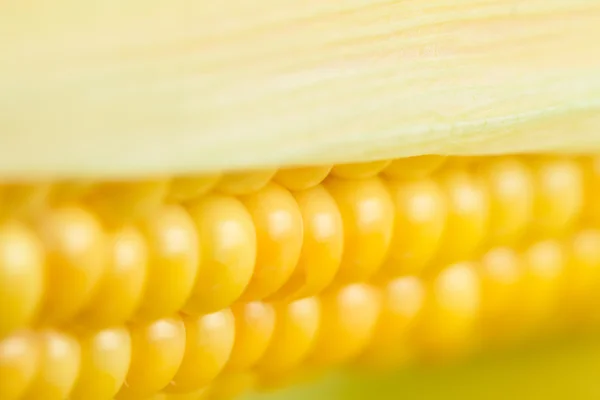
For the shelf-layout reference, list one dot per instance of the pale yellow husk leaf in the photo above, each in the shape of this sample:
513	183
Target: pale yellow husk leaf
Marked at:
131	87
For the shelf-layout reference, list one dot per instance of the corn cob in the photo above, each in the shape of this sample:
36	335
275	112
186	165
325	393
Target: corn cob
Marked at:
200	200
378	265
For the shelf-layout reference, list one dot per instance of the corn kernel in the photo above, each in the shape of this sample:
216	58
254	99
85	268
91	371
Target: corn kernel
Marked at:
187	188
297	179
467	220
502	274
368	218
279	232
67	192
122	286
322	245
348	319
451	310
157	350
105	358
59	366
359	170
296	328
558	195
582	277
22	276
20	357
544	264
413	167
229	386
75	247
420	218
254	326
227	237
127	202
174	256
18	200
401	305
510	187
209	341
240	183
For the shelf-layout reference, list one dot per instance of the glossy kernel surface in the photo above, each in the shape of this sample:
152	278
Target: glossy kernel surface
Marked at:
367	213
227	236
60	361
105	359
157	350
120	291
20	359
348	319
173	263
75	249
303	178
209	341
254	326
467	218
322	245
22	276
279	234
241	183
296	328
419	222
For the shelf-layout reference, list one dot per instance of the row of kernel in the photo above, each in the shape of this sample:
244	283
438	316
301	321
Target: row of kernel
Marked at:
505	288
222	248
463	209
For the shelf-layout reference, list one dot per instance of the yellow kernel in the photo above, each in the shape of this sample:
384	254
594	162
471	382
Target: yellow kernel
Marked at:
510	188
501	272
467	219
279	232
240	183
402	303
296	326
174	255
582	277
229	386
186	188
22	276
227	237
558	195
209	341
23	199
59	367
544	265
120	290
359	170
127	202
420	217
69	191
301	178
322	245
367	213
156	353
451	310
76	260
348	319
254	326
105	358
413	167
19	362
591	170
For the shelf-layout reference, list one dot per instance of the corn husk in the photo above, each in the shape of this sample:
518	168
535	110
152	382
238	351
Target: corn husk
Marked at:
114	88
